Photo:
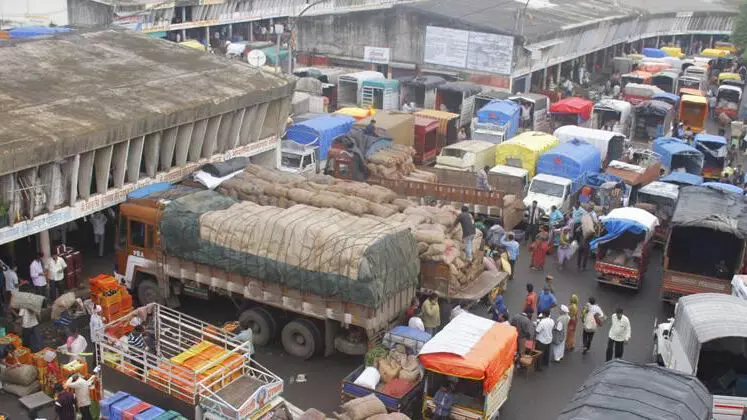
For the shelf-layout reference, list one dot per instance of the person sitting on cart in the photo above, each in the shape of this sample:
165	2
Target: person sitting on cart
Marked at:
444	400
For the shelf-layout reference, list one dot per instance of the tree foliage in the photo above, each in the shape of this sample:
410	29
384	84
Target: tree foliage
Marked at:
739	34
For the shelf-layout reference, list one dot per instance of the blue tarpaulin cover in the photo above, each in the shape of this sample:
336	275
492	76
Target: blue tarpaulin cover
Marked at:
724	187
321	131
149	189
625	219
499	112
571	161
595	180
667	97
682	178
653	53
668	147
35	31
709	138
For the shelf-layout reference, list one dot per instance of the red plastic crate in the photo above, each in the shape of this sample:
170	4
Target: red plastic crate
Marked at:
130	413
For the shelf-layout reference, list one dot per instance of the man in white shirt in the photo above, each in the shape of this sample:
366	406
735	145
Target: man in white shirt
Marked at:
543	338
98	221
592	318
76	344
56	269
29	325
619	334
82	388
38	277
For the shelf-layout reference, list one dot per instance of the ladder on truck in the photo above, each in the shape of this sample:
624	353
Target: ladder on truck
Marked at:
367	96
160	269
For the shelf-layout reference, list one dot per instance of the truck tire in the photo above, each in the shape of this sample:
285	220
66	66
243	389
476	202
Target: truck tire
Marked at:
148	292
301	338
264	327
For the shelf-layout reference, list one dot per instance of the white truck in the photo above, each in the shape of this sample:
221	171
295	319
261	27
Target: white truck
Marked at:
549	190
707	337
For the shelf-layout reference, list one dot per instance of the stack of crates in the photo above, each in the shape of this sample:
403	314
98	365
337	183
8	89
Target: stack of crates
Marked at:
41	368
114	299
123	406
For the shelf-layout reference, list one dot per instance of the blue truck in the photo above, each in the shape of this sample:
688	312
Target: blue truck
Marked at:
497	121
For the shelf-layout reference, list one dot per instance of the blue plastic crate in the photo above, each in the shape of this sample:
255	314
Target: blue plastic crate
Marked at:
120	407
107	403
150	414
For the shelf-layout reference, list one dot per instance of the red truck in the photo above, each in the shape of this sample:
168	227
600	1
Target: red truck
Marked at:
624	249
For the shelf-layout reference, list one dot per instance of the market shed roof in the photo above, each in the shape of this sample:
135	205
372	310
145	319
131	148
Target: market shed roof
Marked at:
78	92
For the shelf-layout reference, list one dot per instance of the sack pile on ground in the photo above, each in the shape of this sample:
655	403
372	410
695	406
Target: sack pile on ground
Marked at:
439	239
20	380
396	163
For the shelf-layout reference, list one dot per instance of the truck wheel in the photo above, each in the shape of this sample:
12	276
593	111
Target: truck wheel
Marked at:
262	323
148	292
301	338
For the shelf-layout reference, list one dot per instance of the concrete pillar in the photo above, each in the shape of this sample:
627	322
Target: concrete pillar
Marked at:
657	42
250	36
198	138
84	174
544	79
102	164
183	137
119	163
151	150
674	40
44	244
134	158
207	38
259	119
710	42
184	34
238	120
528	83
559	73
246	125
168	143
211	137
690	47
72	167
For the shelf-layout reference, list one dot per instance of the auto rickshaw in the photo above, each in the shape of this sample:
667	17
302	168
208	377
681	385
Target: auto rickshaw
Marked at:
725	46
728	99
693	112
722	77
673	51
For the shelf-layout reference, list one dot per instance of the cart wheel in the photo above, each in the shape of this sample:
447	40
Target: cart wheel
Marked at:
263	325
301	338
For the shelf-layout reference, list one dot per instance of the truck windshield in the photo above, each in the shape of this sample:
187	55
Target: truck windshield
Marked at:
546	188
453	153
290	160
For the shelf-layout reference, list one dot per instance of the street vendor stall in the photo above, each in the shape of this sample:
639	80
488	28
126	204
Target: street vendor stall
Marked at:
477	356
624	249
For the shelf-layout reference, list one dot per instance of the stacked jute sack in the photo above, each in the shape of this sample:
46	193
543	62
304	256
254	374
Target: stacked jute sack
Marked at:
440	239
20	380
396	163
369	407
269	187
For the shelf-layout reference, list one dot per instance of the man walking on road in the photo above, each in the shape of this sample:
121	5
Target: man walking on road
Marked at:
468	231
592	317
533	222
619	334
546	300
544	337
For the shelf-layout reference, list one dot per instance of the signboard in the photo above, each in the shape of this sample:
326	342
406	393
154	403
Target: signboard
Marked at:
115	196
376	55
479	51
446	47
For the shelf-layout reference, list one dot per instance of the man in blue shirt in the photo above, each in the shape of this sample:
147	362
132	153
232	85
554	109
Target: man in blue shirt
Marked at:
512	247
545	300
444	401
370	128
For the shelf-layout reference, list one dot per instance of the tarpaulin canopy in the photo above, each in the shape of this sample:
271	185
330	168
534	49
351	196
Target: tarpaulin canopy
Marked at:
710	138
570	160
35	31
525	148
597	180
653	52
321	131
724	187
682	179
466	88
573	105
667	97
669	147
605	141
425	82
471	347
621	390
653	107
661	189
712	208
626	219
499	112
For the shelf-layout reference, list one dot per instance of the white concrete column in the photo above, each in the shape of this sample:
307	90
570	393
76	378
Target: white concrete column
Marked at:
44	244
528	83
250	36
151	151
198	138
544	79
710	43
559	73
657	41
103	163
135	158
85	173
238	121
246	126
211	136
73	168
230	31
224	132
119	162
207	37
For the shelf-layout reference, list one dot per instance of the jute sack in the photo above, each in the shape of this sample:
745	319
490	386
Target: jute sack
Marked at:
364	407
30	301
20	375
23	390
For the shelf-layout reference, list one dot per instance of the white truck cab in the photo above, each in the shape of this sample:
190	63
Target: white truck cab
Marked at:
548	191
707	338
511	172
297	158
466	155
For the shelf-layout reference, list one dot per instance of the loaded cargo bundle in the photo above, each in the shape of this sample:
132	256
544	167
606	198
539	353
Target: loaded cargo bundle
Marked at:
323	251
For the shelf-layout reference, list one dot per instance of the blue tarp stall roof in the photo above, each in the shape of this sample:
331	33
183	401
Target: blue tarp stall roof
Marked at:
666	97
622	390
724	187
596	180
383	83
321	131
709	138
35	31
149	189
668	147
682	178
498	111
570	160
653	53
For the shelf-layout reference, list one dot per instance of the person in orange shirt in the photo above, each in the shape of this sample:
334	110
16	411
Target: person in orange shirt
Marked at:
530	302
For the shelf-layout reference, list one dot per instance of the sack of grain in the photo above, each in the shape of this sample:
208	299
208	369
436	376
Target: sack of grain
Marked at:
62	303
381	210
20	375
435	250
22	390
369	378
429	236
418	211
422	247
30	301
508	200
363	408
388	369
402	203
414	220
587	225
450	253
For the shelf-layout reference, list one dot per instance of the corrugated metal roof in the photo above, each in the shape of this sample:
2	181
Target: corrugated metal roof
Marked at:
712	315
